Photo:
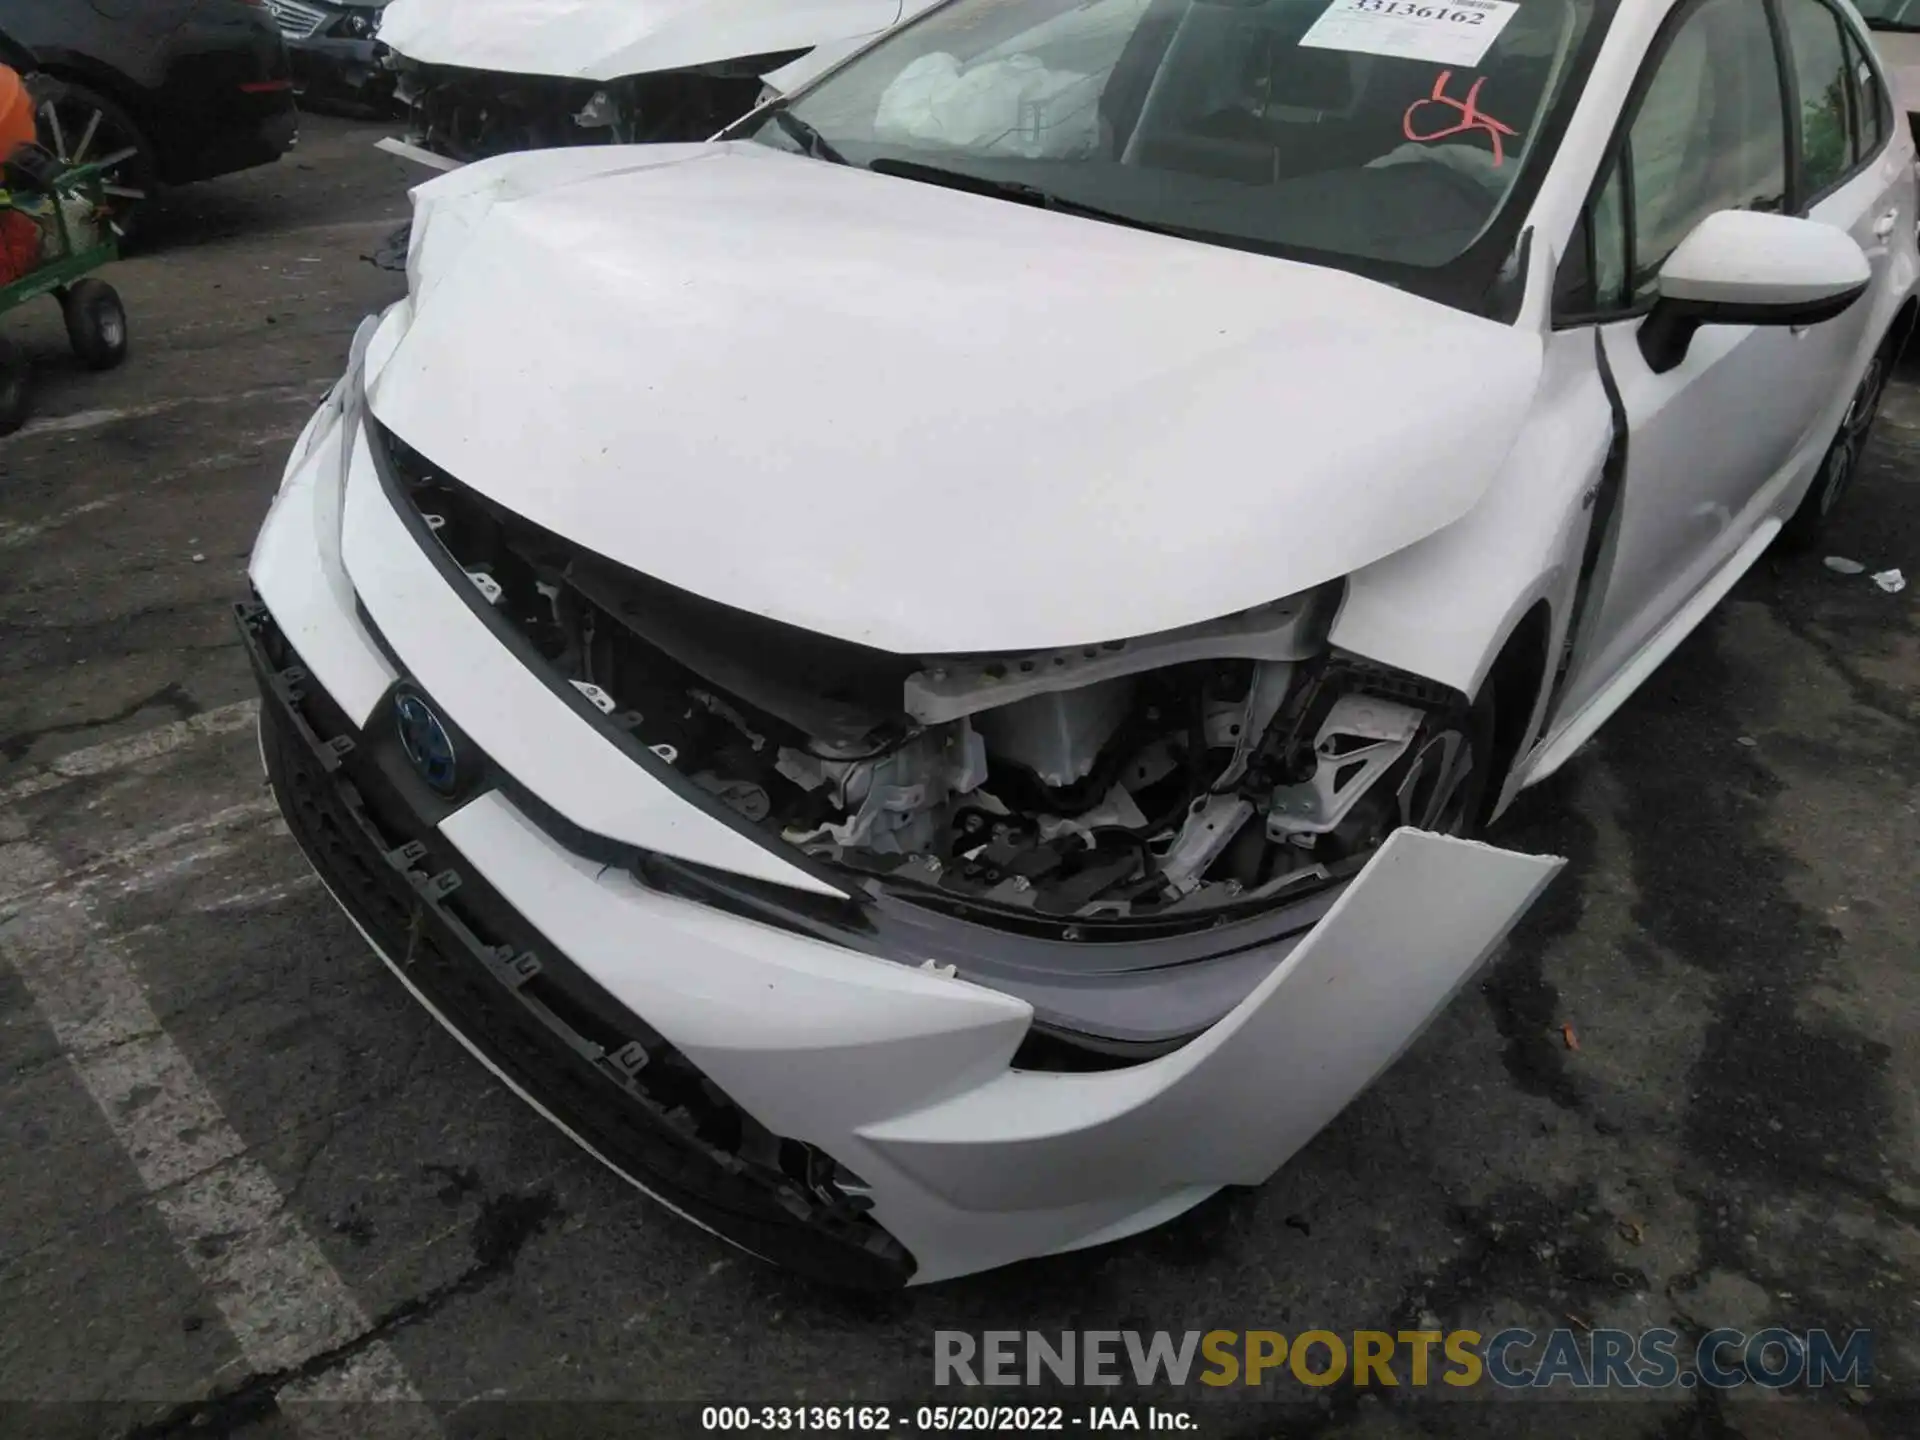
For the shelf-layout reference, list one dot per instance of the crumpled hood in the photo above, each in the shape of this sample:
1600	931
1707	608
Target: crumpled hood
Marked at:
921	419
608	39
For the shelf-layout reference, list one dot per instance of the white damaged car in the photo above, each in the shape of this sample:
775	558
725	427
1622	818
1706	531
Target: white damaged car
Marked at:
484	77
922	678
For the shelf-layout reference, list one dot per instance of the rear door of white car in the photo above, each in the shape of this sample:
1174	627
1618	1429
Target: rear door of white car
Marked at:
1707	128
1847	176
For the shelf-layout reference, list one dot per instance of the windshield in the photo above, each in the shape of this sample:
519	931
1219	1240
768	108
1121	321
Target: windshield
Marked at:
1389	131
1891	14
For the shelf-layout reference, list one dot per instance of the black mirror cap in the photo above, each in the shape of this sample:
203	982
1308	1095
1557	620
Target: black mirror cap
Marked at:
1668	330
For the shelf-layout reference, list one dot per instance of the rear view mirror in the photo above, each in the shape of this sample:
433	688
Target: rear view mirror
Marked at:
1742	267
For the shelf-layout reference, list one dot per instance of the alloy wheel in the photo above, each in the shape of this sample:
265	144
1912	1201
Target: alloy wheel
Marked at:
1843	458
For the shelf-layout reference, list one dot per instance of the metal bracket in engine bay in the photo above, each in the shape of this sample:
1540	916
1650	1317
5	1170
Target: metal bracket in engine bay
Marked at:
1288	629
1361	739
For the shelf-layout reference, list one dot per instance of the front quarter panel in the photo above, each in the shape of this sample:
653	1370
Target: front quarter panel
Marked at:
1443	607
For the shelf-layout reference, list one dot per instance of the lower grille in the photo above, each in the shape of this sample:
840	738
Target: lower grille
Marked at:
351	803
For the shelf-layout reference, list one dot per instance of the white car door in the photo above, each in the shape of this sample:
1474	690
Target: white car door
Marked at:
1707	438
1848	178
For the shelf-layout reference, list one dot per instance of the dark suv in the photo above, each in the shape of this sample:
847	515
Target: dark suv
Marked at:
182	90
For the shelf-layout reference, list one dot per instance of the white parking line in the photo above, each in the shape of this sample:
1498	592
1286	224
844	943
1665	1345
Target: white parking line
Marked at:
118	754
281	1298
14	534
259	896
27	871
94	419
251	447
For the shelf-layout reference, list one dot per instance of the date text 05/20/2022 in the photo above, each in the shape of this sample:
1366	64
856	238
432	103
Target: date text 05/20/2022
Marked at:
940	1419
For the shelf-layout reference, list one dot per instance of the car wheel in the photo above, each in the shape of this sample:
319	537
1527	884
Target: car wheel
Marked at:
1446	786
1456	800
1842	460
96	324
16	389
83	127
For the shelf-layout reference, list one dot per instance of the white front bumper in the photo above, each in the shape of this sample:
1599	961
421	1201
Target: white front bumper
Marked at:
899	1073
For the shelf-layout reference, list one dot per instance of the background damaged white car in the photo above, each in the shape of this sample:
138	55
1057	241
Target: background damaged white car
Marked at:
484	77
1896	35
918	677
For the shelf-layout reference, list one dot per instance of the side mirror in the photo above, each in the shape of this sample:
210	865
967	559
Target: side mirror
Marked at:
1743	267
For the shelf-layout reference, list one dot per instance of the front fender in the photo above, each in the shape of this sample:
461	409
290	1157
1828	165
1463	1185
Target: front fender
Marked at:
1443	607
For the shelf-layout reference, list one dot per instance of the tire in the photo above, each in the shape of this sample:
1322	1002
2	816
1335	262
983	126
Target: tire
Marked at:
1841	463
16	389
1465	814
81	125
1449	787
96	324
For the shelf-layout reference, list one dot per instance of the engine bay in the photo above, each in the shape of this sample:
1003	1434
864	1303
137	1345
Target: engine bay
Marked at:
1216	768
469	115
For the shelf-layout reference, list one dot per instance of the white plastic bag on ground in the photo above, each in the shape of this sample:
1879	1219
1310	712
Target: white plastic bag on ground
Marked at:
1015	106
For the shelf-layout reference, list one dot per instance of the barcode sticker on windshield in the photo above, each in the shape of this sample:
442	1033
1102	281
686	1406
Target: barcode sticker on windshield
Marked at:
1447	32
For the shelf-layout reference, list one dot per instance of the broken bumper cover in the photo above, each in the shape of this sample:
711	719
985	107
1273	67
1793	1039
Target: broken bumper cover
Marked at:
534	1018
944	1157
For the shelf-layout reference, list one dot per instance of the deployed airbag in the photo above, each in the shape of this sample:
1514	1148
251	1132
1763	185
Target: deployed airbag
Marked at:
1013	106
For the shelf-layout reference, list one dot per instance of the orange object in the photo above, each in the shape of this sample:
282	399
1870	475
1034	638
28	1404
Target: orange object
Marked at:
19	236
16	112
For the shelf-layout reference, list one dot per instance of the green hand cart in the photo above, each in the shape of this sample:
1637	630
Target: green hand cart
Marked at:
79	243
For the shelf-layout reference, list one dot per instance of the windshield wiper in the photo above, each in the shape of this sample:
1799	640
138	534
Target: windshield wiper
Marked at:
1023	193
1896	27
810	140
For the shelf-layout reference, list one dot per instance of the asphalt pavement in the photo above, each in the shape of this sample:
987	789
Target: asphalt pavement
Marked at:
244	1178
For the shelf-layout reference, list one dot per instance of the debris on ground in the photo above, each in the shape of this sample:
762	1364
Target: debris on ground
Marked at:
1891	581
392	252
1568	1038
1632	1231
1746	740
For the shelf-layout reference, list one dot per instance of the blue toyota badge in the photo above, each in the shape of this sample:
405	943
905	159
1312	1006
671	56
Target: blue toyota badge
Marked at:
427	742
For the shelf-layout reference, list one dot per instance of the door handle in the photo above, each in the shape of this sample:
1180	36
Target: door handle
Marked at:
1883	227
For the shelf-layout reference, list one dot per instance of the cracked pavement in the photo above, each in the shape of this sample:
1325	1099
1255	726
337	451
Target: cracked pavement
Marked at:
1734	1141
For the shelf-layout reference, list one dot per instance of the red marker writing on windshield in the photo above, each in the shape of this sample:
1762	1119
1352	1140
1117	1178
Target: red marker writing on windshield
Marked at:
1468	110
